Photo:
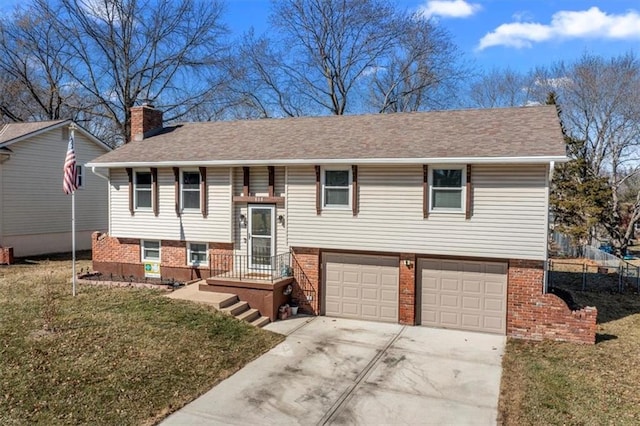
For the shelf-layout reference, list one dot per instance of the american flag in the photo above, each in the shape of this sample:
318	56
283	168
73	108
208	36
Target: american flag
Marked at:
69	184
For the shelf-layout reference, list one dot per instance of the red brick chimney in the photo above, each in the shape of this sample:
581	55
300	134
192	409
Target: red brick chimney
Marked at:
144	118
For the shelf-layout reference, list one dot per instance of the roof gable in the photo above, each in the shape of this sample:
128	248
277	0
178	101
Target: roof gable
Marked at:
15	132
506	134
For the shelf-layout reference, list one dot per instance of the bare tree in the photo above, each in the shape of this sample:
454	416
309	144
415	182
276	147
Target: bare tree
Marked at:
33	73
125	51
505	88
422	69
329	44
600	102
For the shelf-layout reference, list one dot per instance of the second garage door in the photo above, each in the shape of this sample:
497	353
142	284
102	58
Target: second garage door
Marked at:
360	286
466	295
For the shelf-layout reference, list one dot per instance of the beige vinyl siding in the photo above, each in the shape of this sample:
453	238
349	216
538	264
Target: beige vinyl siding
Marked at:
509	211
259	186
190	226
33	201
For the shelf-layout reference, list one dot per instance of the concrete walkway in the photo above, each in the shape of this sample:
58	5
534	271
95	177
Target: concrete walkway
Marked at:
338	371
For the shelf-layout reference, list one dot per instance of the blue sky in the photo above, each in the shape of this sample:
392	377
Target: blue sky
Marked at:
519	34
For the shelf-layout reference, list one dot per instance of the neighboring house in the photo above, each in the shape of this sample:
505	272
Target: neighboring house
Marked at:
35	214
436	218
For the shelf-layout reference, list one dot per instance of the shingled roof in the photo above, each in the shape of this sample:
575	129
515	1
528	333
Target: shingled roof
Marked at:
524	134
12	131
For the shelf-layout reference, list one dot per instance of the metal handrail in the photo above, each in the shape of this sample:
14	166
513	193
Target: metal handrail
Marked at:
245	267
303	285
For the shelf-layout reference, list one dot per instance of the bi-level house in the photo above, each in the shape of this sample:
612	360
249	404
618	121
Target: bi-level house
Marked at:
436	218
35	215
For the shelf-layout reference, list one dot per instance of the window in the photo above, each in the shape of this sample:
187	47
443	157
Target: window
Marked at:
79	176
447	189
143	190
197	254
190	190
337	188
150	250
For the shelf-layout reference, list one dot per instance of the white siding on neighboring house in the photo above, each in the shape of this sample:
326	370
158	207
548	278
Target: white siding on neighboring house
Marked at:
258	186
508	221
36	214
189	226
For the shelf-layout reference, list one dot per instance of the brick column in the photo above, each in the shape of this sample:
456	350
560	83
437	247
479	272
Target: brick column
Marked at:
407	302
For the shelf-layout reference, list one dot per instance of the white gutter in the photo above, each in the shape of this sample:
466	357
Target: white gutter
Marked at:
283	162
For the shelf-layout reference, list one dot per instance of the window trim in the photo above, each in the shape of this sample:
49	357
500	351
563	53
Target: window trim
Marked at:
79	176
323	186
142	250
135	190
462	188
182	190
189	251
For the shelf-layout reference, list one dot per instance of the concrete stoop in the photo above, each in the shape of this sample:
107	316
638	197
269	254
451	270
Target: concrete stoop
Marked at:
227	303
230	304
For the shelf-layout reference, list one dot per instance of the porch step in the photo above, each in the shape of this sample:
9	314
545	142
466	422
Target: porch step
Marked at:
261	322
237	308
224	301
249	315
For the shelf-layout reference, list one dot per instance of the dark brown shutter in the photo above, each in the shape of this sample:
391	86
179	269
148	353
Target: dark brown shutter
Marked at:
176	189
354	193
246	177
425	191
469	195
203	191
154	191
272	180
130	176
318	189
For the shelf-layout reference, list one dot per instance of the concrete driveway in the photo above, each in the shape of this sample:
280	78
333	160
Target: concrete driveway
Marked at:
338	371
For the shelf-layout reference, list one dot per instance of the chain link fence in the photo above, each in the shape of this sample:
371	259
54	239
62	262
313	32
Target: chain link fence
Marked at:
587	268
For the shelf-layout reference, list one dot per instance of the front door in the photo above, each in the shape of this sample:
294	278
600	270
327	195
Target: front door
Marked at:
261	236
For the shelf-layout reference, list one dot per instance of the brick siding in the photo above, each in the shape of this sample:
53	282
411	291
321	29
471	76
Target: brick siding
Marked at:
537	316
121	256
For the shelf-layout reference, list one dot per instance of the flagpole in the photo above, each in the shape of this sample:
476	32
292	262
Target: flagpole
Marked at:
73	239
72	129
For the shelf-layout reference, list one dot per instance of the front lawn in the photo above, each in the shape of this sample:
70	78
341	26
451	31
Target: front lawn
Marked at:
109	355
569	384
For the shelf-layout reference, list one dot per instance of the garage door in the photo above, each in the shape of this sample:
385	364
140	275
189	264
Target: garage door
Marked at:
465	295
363	287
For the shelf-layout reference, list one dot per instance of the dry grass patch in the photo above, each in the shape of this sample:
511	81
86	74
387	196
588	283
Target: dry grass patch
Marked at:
564	383
110	355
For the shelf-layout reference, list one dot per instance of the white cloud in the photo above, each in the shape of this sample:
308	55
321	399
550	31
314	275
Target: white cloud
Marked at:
591	23
554	83
448	9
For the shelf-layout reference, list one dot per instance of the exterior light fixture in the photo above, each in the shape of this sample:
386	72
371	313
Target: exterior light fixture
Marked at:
243	220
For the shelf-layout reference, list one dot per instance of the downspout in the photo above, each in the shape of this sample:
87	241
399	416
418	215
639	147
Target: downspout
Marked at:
545	284
95	172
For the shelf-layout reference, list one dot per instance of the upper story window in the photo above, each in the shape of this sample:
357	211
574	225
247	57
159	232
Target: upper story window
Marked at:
150	250
190	190
336	188
79	176
447	189
142	190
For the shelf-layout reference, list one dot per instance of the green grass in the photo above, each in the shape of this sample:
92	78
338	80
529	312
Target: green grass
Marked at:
109	355
569	384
